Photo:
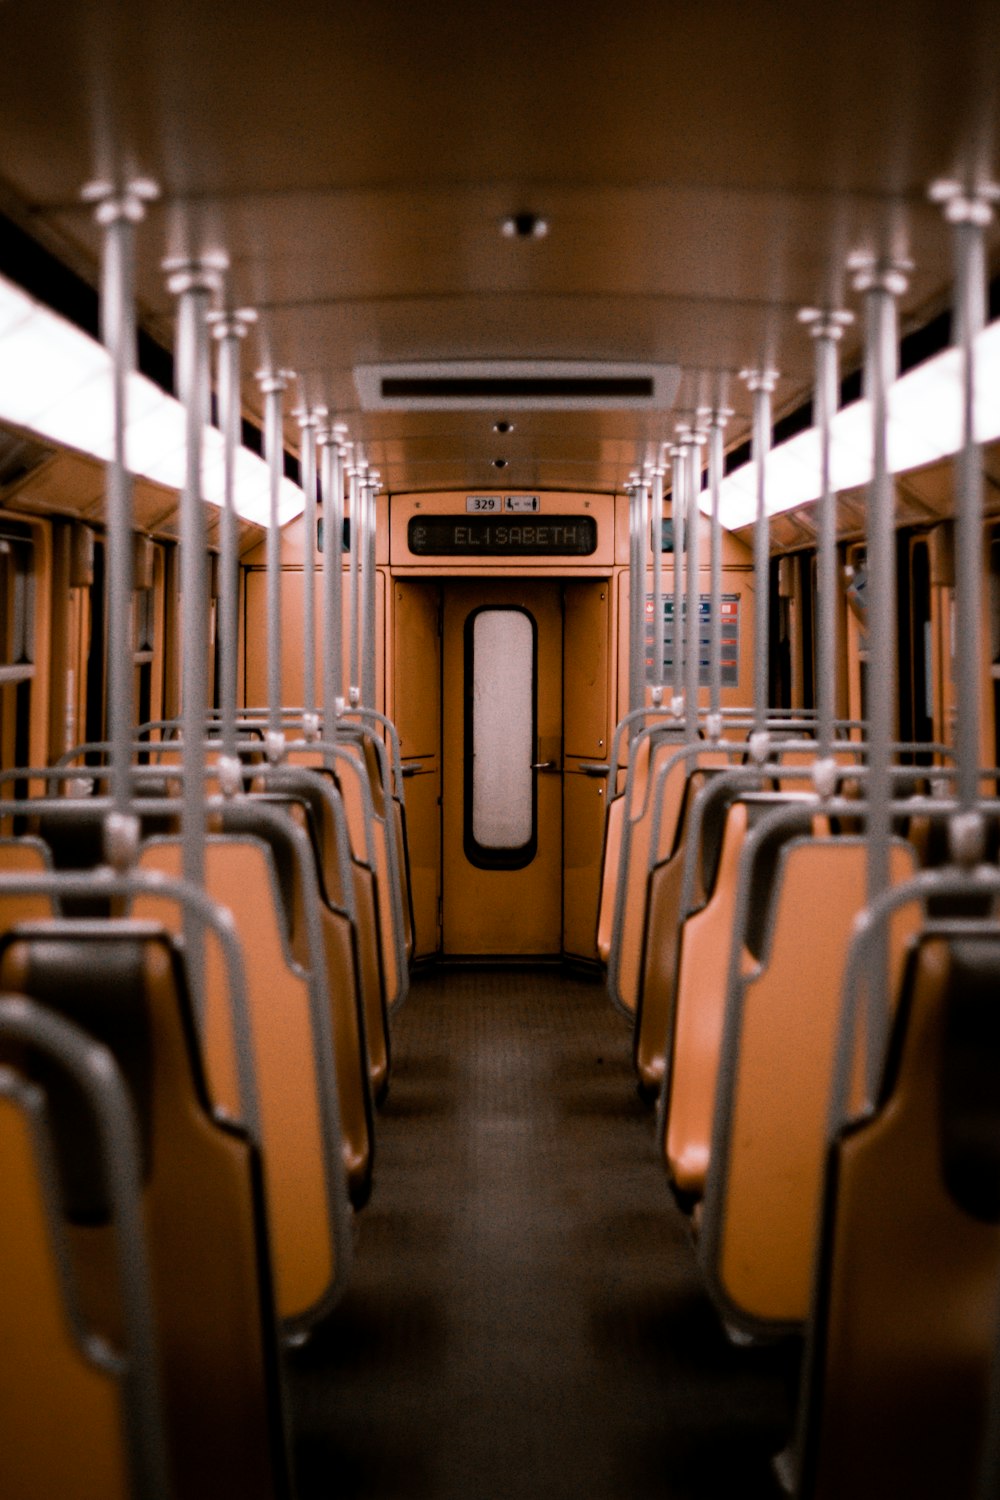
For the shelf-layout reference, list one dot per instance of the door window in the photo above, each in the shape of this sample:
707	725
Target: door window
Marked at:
500	728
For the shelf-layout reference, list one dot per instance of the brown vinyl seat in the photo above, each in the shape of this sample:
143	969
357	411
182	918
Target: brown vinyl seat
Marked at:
74	836
369	842
367	905
611	851
660	930
390	807
905	1318
76	1416
27	855
799	900
653	796
703	959
299	794
392	903
293	1063
123	983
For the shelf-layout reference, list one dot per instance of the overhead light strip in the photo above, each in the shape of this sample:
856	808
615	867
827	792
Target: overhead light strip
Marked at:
925	426
55	382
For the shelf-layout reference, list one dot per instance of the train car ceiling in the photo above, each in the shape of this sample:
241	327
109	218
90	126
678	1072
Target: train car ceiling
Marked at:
703	174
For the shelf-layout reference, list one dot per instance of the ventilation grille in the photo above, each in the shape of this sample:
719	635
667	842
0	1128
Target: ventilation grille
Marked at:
516	385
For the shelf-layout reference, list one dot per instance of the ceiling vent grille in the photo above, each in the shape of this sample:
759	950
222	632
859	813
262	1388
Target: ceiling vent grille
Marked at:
516	385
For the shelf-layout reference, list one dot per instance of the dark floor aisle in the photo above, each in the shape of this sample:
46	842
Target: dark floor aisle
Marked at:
525	1318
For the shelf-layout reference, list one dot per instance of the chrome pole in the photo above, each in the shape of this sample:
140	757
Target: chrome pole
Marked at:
970	212
309	421
716	467
368	651
761	384
273	384
194	283
656	508
230	329
334	456
637	602
118	212
678	508
827	329
354	491
692	621
880	282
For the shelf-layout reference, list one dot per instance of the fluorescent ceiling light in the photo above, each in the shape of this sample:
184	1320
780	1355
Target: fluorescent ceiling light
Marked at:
925	426
55	382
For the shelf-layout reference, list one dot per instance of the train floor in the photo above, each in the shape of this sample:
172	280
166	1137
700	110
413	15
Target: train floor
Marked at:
525	1318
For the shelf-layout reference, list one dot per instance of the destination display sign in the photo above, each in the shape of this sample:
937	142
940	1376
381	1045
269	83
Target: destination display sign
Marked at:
486	536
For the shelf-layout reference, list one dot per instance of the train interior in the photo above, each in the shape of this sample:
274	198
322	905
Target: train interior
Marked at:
499	751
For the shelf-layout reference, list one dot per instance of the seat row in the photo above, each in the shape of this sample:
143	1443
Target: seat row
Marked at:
735	892
241	1031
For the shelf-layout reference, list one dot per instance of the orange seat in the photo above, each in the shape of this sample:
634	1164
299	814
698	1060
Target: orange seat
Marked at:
340	977
123	982
908	1299
303	1172
799	901
358	811
76	1418
649	797
699	1000
661	928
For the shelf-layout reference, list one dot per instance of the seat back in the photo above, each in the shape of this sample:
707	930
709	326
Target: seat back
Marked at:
393	901
908	1293
293	1062
23	856
798	901
349	884
77	1416
202	1203
614	822
654	789
371	848
661	928
343	981
703	960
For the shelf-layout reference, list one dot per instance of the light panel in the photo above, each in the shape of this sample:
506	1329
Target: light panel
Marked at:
55	382
925	426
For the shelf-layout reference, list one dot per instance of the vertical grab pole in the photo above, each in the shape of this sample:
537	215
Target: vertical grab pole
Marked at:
716	464
194	283
761	384
656	511
354	491
880	282
678	507
692	622
273	384
368	651
333	616
117	213
308	424
636	608
827	328
970	212
230	330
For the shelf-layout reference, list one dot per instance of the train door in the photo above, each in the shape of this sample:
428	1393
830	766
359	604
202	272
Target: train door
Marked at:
416	665
502	767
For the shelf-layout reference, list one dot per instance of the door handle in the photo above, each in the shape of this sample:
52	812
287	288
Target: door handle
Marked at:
412	767
544	765
594	767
